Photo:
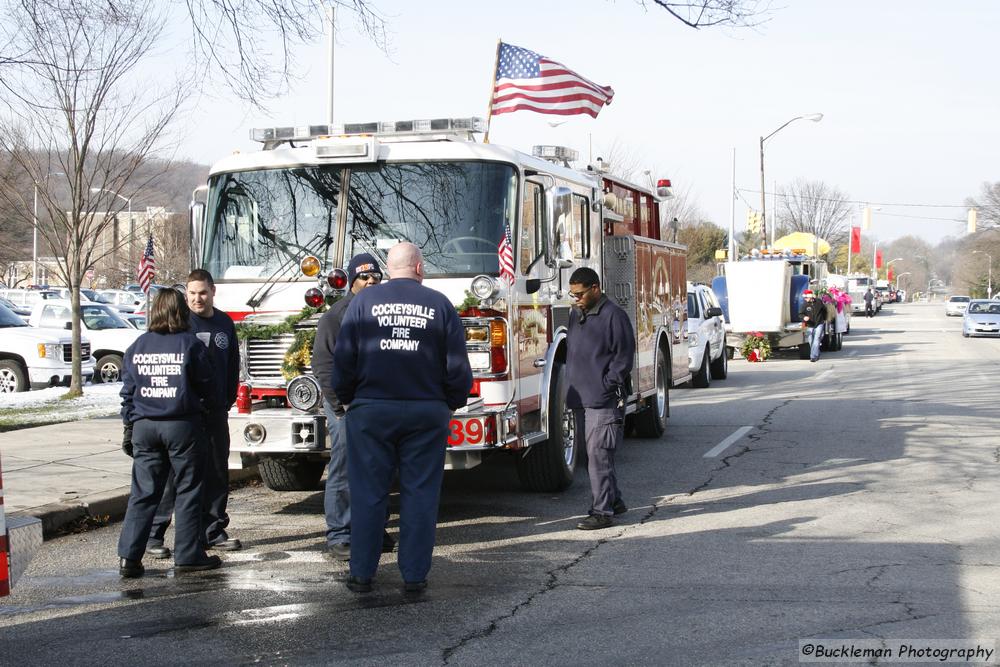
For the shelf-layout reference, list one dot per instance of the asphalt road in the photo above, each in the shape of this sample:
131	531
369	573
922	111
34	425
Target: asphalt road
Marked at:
857	505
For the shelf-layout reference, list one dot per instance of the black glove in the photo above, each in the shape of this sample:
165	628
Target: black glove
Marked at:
127	440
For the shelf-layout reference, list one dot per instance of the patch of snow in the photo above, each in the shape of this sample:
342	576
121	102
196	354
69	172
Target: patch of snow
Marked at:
98	400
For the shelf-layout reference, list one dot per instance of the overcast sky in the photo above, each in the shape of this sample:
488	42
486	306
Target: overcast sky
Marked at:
907	88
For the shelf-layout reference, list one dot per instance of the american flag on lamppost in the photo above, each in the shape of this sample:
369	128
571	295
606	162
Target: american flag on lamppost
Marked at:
147	267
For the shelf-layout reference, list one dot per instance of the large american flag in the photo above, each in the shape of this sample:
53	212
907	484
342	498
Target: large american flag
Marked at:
147	267
505	251
527	81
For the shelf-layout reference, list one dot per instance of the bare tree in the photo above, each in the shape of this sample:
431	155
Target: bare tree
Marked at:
75	122
814	207
987	205
709	13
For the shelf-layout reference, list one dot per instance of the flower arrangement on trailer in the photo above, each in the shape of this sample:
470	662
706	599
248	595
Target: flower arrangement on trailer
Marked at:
755	347
835	296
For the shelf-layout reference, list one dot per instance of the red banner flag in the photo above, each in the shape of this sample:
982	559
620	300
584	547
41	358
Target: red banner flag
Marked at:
878	259
855	239
890	275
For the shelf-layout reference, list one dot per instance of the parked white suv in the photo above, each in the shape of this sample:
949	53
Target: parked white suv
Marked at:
707	357
109	334
36	358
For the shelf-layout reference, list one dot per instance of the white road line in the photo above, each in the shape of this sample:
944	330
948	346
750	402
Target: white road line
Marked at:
721	447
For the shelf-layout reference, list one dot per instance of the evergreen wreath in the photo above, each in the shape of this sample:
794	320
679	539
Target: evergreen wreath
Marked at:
299	354
755	340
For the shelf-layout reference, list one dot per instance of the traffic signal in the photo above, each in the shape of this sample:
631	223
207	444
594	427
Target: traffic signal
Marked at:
753	222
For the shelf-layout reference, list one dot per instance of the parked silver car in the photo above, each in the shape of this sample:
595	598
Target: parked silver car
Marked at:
982	318
707	355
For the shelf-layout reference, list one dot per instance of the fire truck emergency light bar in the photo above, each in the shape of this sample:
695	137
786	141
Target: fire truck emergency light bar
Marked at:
393	127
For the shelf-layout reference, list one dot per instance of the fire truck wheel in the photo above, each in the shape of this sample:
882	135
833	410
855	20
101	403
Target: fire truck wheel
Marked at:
652	422
548	466
720	367
290	473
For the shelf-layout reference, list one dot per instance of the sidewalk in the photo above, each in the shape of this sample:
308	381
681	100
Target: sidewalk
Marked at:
63	472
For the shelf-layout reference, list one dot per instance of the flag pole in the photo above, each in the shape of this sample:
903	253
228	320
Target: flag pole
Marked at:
493	84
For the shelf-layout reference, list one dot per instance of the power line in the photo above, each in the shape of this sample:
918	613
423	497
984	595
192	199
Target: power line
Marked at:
852	201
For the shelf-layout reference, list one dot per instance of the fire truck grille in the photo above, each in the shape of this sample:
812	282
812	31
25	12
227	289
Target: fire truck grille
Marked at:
265	356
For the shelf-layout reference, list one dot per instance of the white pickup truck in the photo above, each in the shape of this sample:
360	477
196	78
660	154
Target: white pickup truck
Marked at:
109	334
36	358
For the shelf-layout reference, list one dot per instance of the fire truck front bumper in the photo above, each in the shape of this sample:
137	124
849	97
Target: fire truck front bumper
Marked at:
475	430
277	431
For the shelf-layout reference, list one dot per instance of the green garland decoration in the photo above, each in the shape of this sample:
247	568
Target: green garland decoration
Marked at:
471	301
299	354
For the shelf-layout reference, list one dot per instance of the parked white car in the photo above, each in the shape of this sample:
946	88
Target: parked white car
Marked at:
36	358
123	300
707	357
109	334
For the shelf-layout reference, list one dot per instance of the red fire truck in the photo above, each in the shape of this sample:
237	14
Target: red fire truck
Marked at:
275	226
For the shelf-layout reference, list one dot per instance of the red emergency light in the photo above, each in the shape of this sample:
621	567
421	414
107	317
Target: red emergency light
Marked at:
337	279
314	297
244	403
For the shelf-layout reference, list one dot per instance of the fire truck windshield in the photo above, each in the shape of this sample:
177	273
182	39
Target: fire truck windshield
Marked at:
260	223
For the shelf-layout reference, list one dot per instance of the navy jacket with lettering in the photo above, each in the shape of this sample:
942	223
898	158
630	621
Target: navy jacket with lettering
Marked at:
219	333
600	352
402	341
326	340
166	376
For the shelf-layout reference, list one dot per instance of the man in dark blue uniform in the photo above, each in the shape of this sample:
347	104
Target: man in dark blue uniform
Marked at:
215	329
166	388
362	271
402	368
600	352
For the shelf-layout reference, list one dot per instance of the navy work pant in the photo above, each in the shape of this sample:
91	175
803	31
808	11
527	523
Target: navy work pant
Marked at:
604	430
337	497
216	487
382	437
161	450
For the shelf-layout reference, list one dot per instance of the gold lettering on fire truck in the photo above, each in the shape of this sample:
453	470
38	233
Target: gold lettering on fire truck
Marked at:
398	320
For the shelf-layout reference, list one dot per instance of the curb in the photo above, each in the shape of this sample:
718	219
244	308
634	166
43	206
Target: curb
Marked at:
104	507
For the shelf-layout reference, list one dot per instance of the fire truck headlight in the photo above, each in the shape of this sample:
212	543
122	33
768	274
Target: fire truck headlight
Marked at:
254	434
309	266
484	287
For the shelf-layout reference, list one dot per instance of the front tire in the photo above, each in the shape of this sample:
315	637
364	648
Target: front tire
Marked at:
652	422
702	378
12	377
108	369
720	367
549	465
290	473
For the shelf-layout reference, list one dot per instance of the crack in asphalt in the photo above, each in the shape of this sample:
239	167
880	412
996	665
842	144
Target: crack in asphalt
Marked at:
552	576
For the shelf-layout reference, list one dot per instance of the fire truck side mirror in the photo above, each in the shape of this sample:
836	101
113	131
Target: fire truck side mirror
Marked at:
196	214
560	208
532	285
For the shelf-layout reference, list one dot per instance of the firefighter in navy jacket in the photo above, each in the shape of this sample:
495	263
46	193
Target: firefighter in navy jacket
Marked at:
216	331
401	367
166	388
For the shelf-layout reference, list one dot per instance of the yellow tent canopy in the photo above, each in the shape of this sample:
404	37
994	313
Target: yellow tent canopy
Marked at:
802	241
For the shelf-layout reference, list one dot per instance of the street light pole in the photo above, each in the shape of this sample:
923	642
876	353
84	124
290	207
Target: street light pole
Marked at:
34	235
989	273
131	225
814	117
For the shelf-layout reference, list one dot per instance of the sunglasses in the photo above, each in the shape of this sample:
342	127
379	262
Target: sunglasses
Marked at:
369	276
576	296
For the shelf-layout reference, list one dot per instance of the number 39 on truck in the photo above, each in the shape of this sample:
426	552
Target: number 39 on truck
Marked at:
274	227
